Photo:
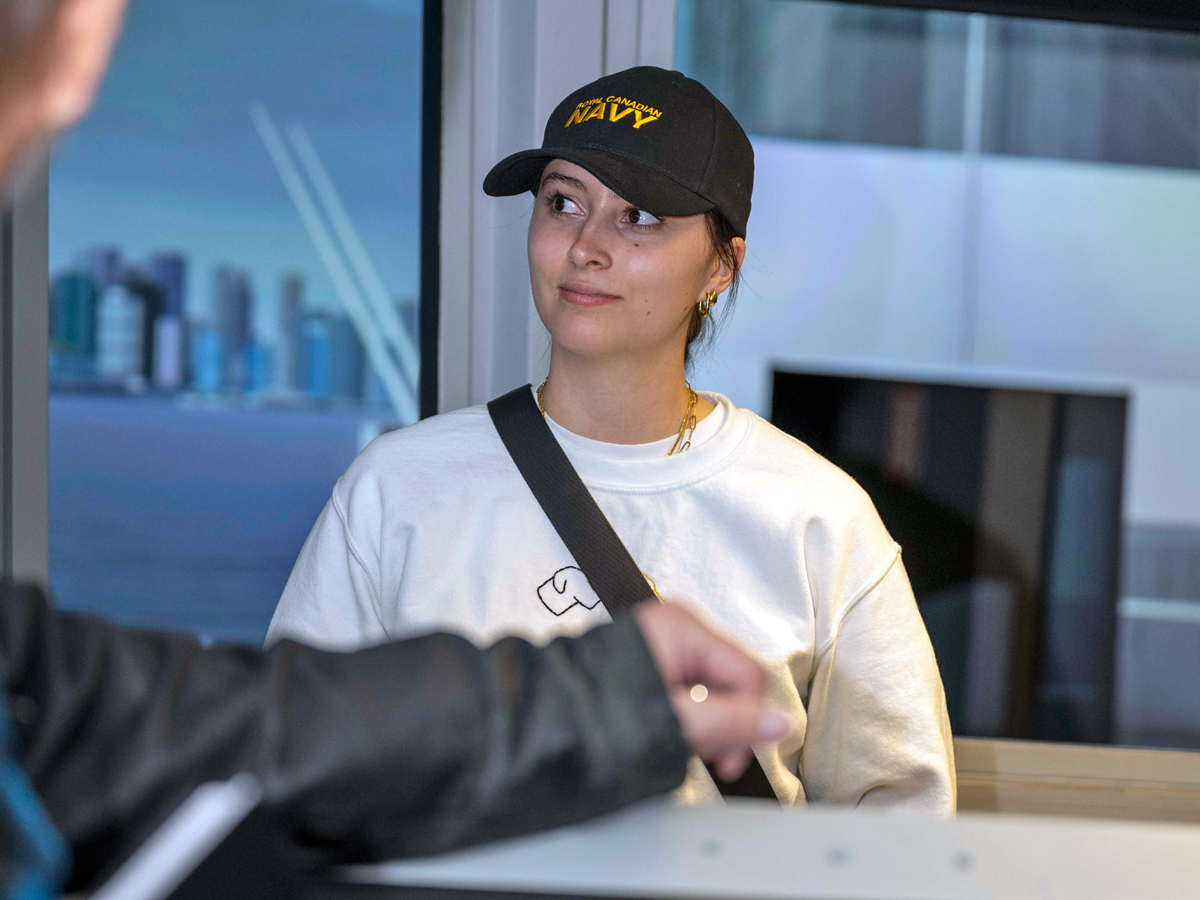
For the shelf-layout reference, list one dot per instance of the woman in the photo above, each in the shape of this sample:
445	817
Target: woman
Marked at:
642	190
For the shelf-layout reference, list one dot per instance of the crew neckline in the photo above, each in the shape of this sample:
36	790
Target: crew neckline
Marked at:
646	466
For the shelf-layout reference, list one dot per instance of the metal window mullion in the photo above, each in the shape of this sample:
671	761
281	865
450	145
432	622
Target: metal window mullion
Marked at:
6	381
24	382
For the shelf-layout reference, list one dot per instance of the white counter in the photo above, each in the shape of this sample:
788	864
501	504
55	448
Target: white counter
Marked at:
754	850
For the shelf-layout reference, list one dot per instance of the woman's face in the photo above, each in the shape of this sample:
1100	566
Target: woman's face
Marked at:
610	279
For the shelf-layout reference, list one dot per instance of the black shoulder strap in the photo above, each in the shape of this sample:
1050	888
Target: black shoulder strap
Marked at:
583	527
568	504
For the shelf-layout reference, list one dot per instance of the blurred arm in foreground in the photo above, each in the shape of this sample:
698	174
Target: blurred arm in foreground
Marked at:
406	748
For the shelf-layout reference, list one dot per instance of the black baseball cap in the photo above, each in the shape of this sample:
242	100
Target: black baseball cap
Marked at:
657	138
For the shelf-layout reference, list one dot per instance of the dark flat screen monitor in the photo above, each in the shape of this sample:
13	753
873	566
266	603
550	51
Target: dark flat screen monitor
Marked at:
1007	504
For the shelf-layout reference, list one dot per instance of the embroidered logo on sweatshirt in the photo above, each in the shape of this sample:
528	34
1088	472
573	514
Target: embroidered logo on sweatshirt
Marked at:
567	588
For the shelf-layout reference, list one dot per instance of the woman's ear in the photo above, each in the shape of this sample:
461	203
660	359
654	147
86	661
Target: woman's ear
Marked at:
722	277
739	253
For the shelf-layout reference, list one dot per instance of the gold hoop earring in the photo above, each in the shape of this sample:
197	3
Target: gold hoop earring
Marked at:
709	301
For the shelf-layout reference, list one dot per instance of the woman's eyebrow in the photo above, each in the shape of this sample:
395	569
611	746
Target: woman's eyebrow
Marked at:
568	180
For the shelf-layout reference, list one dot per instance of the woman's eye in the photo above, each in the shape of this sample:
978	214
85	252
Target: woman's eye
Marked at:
561	203
641	217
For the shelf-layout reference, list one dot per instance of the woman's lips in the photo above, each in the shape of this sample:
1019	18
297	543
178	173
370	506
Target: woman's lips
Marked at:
582	295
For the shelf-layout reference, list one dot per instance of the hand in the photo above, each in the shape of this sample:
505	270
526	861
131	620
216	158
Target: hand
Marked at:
52	56
734	715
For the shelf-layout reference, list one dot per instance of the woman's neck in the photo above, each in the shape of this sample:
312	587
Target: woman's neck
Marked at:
618	402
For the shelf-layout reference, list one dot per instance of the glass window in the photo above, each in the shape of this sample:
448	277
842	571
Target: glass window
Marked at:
971	278
1068	91
828	71
234	296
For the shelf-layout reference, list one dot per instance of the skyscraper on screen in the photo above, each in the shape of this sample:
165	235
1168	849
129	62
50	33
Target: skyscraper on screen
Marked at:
207	358
73	311
120	322
316	354
169	272
346	360
232	309
290	367
141	284
169	366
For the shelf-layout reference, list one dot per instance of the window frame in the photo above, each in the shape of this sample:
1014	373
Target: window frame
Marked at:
430	206
25	378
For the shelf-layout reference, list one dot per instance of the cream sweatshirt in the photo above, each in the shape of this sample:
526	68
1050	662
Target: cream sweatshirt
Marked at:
433	528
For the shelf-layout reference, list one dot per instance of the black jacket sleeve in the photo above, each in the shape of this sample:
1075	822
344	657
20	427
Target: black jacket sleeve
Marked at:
403	749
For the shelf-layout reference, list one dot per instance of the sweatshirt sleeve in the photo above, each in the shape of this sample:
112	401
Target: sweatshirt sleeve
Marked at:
878	731
413	747
331	599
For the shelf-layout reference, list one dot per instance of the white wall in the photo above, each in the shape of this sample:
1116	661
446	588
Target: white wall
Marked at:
1088	277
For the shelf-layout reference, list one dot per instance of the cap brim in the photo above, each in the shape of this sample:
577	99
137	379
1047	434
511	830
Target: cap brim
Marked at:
631	179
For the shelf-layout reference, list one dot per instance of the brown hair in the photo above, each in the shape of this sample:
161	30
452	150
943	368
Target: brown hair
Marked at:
721	235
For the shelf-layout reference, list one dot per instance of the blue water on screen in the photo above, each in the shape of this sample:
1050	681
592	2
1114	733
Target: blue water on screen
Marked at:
169	516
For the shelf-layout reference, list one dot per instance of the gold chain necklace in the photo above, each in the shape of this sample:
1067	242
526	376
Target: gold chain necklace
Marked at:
688	423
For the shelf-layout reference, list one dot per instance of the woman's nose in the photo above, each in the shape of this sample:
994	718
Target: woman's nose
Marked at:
590	248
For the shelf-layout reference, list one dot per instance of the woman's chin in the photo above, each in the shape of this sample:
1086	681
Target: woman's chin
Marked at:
602	332
586	345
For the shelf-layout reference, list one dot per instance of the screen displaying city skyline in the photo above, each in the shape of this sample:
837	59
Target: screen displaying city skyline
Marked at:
169	158
177	159
233	252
